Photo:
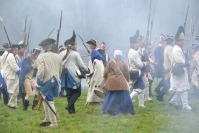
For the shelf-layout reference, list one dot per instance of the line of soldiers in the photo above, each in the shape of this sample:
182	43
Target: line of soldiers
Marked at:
50	73
171	66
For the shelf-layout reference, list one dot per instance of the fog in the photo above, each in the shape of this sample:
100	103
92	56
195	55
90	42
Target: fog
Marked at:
111	21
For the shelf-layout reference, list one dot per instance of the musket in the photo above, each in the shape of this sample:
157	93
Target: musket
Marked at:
29	35
84	44
193	27
186	17
50	33
151	26
147	35
25	34
58	31
5	31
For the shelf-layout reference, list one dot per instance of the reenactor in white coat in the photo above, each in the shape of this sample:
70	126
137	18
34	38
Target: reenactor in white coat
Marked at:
11	76
179	76
48	77
167	67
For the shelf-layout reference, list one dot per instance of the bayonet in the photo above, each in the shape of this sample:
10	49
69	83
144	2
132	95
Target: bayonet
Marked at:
58	31
50	33
84	44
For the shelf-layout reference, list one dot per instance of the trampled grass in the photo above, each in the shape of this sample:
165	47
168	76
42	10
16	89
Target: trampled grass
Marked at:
157	117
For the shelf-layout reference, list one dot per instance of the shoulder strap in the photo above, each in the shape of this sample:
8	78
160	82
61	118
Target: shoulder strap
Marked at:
121	72
64	62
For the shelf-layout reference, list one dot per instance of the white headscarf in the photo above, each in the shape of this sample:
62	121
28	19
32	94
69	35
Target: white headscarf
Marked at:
117	53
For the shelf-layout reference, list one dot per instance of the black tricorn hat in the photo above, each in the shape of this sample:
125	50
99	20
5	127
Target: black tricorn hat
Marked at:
16	46
36	51
71	41
47	41
134	39
92	42
7	45
169	39
180	34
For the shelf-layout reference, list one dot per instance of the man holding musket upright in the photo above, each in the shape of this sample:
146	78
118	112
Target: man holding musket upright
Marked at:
179	76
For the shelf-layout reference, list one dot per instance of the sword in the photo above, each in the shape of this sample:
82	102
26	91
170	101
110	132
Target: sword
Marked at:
38	88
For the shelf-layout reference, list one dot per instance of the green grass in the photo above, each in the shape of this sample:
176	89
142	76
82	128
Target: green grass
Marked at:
157	117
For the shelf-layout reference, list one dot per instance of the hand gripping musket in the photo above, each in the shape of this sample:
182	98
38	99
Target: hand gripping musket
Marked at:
1	19
50	33
40	99
84	44
58	31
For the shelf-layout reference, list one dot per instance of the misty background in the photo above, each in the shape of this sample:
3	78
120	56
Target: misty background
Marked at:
109	21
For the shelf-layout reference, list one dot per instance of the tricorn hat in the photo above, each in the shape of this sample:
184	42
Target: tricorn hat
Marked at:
71	41
169	39
16	46
47	41
92	42
180	35
134	39
7	45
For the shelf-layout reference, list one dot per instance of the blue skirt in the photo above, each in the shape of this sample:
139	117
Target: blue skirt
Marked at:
117	102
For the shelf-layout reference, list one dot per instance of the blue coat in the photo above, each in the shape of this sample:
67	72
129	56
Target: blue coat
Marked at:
26	67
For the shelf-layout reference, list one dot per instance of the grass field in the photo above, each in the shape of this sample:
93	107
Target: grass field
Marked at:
157	117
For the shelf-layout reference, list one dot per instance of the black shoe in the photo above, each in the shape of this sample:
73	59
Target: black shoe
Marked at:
5	98
157	91
160	98
43	124
26	104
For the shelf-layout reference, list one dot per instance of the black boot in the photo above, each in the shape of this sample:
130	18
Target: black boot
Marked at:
34	104
61	94
5	97
23	97
26	104
71	103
